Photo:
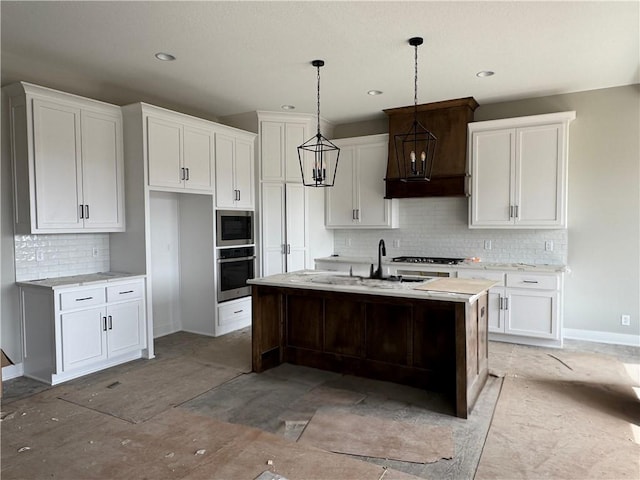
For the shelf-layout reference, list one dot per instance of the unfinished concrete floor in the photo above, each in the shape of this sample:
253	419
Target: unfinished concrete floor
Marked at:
196	411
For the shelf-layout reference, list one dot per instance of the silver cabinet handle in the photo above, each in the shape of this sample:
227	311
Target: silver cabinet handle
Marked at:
128	291
288	249
517	214
110	322
181	173
357	214
104	324
187	176
510	211
86	211
238	311
81	208
83	299
238	195
506	303
529	281
353	214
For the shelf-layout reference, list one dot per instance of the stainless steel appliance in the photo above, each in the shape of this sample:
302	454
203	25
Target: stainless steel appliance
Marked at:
234	227
235	267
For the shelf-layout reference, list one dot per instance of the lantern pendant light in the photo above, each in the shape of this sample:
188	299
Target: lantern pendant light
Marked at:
318	156
415	150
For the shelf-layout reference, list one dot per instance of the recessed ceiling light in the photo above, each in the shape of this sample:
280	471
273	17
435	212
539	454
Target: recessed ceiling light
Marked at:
484	73
374	92
287	107
165	57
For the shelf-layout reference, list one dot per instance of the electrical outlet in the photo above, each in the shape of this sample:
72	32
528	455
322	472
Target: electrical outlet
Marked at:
94	251
548	246
39	255
487	244
625	320
396	243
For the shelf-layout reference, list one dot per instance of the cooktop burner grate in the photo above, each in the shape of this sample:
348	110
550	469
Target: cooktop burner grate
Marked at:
432	260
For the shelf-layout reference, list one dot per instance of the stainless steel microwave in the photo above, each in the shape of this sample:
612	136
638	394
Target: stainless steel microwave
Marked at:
234	227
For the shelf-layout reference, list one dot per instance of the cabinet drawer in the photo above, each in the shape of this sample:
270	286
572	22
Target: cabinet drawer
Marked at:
538	282
81	298
125	291
234	312
483	275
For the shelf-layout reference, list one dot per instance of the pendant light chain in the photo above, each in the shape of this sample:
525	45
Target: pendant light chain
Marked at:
415	81
318	100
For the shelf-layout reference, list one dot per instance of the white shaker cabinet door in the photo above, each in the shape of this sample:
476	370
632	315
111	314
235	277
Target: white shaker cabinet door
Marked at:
84	340
372	207
541	176
58	167
273	228
125	327
493	176
164	144
102	171
532	313
296	135
226	194
296	242
272	151
197	157
340	199
244	173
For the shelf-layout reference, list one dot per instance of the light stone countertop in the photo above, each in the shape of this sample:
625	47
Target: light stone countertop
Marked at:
519	267
342	282
79	280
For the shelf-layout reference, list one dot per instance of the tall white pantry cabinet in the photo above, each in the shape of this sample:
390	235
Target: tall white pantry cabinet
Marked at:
290	216
67	156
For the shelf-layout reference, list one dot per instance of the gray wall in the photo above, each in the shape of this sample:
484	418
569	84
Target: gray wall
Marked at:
604	201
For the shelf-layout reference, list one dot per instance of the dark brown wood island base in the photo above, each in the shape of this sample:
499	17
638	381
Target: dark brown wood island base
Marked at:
431	340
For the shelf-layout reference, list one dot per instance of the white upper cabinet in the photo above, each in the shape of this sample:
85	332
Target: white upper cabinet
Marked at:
279	141
357	198
518	169
180	153
234	170
67	156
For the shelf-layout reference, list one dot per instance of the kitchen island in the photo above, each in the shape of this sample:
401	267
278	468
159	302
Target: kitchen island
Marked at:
430	334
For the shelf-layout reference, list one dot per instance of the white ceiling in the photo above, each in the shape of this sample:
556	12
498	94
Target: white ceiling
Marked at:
235	57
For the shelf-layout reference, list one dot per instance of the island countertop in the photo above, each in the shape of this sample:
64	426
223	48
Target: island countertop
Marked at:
446	289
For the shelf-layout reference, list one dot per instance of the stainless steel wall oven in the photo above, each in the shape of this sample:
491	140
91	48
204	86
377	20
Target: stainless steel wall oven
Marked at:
235	267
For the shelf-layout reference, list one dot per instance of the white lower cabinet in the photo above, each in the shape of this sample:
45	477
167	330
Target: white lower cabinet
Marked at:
523	307
73	331
233	315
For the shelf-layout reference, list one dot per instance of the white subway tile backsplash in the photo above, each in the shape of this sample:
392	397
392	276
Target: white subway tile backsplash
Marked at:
62	255
438	227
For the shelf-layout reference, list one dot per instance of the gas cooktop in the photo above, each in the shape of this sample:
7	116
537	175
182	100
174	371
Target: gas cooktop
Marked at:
433	260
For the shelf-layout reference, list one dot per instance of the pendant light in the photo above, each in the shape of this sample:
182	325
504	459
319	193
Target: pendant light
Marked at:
318	156
415	150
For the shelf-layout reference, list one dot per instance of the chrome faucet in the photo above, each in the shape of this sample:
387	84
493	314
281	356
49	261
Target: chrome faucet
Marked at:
382	252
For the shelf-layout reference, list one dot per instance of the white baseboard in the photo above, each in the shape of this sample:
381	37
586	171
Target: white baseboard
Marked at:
602	337
12	371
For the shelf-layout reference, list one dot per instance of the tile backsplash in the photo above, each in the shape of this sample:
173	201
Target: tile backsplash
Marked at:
47	256
438	227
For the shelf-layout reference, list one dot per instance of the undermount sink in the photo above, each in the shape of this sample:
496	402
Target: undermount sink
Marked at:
386	282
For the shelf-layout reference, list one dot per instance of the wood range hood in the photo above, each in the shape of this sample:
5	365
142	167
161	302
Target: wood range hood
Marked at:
447	120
